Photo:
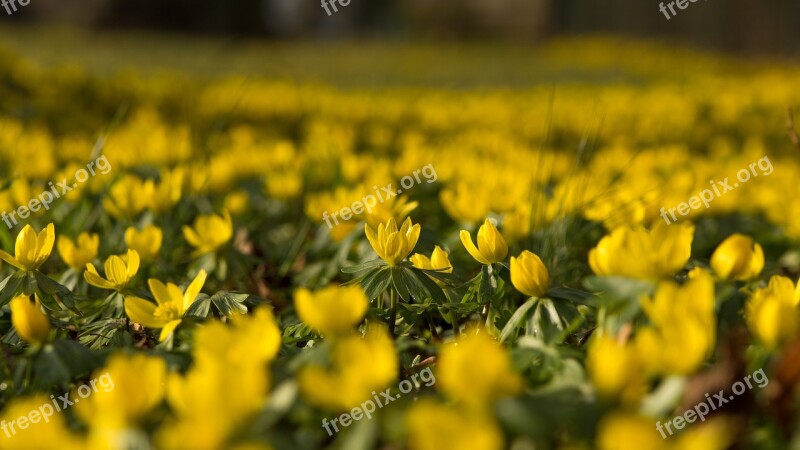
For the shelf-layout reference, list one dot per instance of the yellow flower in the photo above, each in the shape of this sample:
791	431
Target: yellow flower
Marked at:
147	242
771	312
52	432
738	258
636	252
517	224
433	426
171	304
127	389
614	370
168	191
207	411
332	310
31	323
237	202
476	382
358	367
491	248
391	244
31	250
284	186
120	270
209	233
683	326
639	433
78	255
715	434
529	274
129	196
438	261
465	203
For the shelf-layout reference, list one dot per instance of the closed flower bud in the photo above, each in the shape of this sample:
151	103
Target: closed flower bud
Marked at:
491	247
738	258
529	274
28	319
146	242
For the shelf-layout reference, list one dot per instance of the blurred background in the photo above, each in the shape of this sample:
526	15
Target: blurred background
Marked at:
740	26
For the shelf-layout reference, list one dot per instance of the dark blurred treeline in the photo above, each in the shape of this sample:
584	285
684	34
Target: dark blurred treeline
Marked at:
748	26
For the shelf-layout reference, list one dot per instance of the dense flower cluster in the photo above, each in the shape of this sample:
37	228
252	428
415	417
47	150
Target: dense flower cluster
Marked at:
540	284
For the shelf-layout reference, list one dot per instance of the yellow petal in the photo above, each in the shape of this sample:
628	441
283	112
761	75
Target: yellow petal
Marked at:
168	329
159	291
96	280
466	240
194	289
191	237
11	260
142	312
133	264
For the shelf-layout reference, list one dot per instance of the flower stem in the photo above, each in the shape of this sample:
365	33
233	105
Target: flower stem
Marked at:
392	311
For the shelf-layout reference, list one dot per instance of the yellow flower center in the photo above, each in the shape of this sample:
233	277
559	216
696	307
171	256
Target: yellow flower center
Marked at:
168	312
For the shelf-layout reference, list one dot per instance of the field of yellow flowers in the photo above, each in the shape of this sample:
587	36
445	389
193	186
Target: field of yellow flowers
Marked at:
239	261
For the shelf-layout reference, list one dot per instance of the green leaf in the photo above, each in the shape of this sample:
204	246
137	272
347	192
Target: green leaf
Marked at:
29	286
199	308
401	283
517	318
432	289
229	303
488	283
10	287
365	266
376	282
461	308
573	295
61	362
55	294
441	275
618	288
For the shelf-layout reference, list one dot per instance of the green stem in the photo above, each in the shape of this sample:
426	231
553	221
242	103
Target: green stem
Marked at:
392	311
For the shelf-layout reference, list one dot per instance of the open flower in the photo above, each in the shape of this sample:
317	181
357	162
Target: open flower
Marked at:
529	274
438	261
129	196
682	330
771	312
209	233
491	247
636	252
476	383
146	242
120	270
31	250
333	310
391	244
79	253
28	319
738	258
171	304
